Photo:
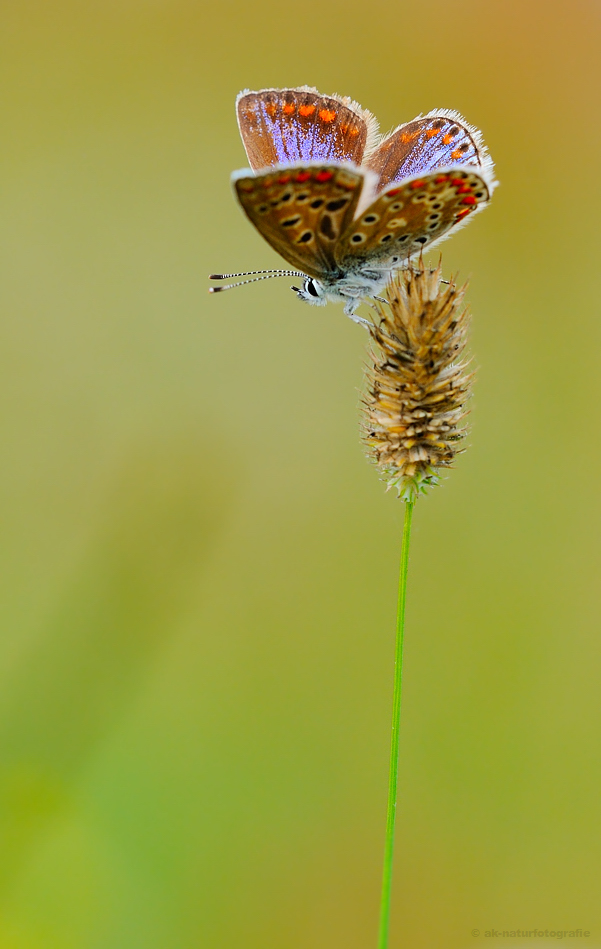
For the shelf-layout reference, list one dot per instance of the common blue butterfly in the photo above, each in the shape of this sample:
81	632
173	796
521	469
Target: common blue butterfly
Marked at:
345	206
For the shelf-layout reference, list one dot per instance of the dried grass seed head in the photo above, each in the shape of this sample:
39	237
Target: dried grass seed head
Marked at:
418	381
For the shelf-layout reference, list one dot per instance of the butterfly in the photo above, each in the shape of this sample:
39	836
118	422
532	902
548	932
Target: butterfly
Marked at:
343	205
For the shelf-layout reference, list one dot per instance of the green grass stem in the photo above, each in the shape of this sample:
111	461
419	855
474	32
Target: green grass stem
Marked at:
394	743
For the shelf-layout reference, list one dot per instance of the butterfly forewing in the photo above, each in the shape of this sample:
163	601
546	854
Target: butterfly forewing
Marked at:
302	211
406	218
285	126
434	141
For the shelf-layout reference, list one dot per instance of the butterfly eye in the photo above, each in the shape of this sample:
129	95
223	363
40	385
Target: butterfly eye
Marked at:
311	288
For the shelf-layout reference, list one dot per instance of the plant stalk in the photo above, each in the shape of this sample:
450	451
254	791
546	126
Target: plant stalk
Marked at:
394	743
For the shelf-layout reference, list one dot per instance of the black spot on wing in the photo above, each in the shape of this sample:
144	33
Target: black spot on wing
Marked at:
326	228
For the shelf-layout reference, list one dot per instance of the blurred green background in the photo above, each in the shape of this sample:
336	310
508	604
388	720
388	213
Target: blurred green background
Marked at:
199	567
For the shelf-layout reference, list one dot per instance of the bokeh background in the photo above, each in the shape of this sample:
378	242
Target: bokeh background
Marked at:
198	566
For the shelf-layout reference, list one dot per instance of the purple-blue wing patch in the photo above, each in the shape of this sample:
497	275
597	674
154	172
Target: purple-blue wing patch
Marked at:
288	126
437	140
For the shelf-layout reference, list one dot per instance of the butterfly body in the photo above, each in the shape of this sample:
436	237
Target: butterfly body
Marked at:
344	207
349	289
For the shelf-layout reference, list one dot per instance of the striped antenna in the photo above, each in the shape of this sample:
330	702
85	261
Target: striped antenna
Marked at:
264	275
251	273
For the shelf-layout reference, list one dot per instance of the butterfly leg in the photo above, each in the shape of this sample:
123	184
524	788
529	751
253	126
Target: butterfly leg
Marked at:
349	310
416	273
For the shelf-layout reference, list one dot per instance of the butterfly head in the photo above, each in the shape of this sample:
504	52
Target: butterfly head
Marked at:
312	291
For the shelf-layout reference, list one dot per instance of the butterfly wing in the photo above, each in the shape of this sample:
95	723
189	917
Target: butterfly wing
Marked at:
287	126
302	211
408	217
437	140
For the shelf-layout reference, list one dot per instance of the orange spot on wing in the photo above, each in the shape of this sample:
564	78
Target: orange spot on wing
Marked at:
288	108
354	132
306	109
393	192
416	184
462	213
457	181
271	109
283	179
432	132
456	154
324	175
440	178
447	139
408	136
463	189
303	176
327	115
469	199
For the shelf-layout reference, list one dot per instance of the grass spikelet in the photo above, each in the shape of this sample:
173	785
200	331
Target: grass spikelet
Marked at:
418	380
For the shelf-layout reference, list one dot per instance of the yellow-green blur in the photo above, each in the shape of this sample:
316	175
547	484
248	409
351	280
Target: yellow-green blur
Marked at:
198	566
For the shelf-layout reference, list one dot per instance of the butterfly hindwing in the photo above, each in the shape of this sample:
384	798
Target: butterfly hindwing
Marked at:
408	217
436	140
288	126
302	211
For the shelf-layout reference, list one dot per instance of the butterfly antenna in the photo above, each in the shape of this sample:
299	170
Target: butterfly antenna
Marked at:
251	273
266	275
